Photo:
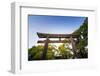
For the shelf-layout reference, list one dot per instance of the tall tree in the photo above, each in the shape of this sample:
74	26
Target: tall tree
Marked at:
83	39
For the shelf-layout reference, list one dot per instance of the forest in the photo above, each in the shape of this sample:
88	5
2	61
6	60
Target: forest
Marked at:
64	50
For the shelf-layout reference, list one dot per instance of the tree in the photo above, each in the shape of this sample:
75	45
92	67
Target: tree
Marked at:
65	51
83	39
35	52
50	53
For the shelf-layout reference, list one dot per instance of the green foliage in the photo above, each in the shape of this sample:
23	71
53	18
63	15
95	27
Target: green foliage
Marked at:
35	52
50	53
65	52
83	39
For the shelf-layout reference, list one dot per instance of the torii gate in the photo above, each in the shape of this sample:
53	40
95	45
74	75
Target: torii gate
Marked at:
47	36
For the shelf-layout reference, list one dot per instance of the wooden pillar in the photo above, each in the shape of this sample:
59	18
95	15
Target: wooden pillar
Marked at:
45	49
73	47
59	39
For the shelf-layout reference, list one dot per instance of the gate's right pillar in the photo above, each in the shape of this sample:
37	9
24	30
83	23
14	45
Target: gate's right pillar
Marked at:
73	47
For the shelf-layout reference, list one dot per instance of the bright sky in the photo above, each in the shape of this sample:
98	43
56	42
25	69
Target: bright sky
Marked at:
51	24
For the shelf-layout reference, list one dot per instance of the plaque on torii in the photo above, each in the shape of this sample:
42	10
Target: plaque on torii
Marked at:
70	38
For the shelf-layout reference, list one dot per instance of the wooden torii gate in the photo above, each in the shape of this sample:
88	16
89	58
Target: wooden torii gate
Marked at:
47	36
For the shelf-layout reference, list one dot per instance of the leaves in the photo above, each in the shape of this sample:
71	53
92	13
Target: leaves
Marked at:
83	39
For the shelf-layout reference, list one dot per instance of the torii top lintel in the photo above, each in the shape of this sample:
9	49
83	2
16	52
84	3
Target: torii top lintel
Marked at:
45	35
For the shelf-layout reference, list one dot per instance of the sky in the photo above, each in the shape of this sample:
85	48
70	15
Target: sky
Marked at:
51	24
